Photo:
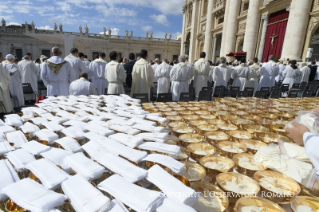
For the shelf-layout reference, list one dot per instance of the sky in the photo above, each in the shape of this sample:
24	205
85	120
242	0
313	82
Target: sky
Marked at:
158	16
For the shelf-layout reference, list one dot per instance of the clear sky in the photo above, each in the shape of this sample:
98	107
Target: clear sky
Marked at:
158	16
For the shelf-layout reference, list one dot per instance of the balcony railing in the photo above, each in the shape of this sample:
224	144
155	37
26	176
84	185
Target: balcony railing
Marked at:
220	5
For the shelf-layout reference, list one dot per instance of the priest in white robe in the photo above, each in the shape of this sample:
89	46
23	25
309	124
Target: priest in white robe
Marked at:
97	73
15	84
57	74
29	73
156	64
82	86
4	90
143	75
180	75
86	62
240	75
162	74
76	63
291	73
281	70
305	70
201	72
115	75
253	75
222	74
269	71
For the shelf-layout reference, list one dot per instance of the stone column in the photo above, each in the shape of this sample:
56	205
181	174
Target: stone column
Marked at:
263	36
195	15
208	33
35	51
296	30
214	48
225	27
230	37
68	43
251	31
183	32
4	48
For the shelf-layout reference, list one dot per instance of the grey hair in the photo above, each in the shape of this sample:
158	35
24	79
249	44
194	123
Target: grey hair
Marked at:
26	57
223	60
56	50
186	56
182	58
156	60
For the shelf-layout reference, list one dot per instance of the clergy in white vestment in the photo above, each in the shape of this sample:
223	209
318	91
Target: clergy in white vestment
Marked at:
115	75
253	75
143	75
76	63
290	73
97	73
281	70
156	64
37	64
269	71
180	75
240	75
29	74
82	86
222	73
4	89
15	84
57	74
305	70
201	72
190	65
162	73
86	62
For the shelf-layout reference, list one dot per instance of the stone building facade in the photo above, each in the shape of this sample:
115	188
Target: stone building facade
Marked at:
285	28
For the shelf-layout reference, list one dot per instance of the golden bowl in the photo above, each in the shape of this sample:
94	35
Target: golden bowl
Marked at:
272	138
177	124
252	145
237	135
246	165
13	207
186	113
313	192
215	121
171	142
202	129
195	123
193	172
183	179
227	127
255	112
228	118
210	196
255	128
242	122
216	136
178	131
201	112
193	108
165	109
172	118
188	118
229	149
253	117
240	113
268	116
178	109
182	156
149	164
171	113
187	139
310	202
259	202
207	117
199	150
287	115
277	187
278	128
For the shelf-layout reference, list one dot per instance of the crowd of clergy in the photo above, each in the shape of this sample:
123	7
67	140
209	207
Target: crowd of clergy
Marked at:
76	75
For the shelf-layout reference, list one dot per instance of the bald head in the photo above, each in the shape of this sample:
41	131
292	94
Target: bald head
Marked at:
182	58
56	51
157	61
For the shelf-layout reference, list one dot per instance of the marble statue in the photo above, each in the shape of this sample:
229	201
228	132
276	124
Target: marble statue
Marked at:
110	32
170	36
126	33
151	35
131	34
165	36
3	23
55	27
104	30
80	28
86	29
146	34
32	25
61	28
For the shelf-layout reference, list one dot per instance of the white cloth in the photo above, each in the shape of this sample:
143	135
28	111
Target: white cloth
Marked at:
180	75
85	166
17	138
69	144
95	149
128	140
157	137
5	147
144	127
29	74
122	167
269	71
166	161
162	73
153	117
53	126
290	75
125	129
29	128
35	148
97	74
305	74
281	69
253	77
82	87
221	75
116	76
77	65
57	156
86	62
32	196
160	147
202	69
85	198
117	206
143	76
170	205
73	132
169	185
13	120
20	158
57	84
136	197
8	176
77	124
48	173
46	135
311	145
38	120
99	129
6	129
154	67
240	76
4	91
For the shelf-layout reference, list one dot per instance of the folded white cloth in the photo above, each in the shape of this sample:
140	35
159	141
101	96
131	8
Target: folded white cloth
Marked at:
35	148
69	144
48	173
169	185
2	123
77	124
29	128
101	123
117	206
128	140
73	132
121	122
58	120
38	121
157	137
161	120
5	129
5	147
124	129
39	111
19	158
27	115
171	205
85	198
160	147
93	136
95	149
57	157
53	126
85	166
144	127
99	129
17	138
8	176
32	196
166	161
143	121
122	167
136	197
13	120
46	115
46	135
111	116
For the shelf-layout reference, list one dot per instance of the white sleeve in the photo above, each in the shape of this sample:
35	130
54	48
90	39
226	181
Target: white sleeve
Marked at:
311	142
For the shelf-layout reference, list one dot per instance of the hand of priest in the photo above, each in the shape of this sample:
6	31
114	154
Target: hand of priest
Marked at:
296	133
11	73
